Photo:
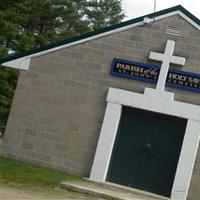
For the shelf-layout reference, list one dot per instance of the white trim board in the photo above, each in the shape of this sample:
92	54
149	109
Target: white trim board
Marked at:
149	101
23	62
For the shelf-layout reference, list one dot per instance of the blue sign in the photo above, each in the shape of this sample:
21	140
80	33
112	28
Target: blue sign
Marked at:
150	73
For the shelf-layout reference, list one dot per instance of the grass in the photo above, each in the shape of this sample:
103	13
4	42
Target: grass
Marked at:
12	171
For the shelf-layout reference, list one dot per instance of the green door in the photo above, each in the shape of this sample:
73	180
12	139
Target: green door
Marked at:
146	151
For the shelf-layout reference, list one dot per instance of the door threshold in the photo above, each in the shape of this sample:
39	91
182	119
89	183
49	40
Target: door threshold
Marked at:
128	189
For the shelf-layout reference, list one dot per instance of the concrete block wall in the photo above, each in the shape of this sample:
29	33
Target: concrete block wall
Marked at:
59	103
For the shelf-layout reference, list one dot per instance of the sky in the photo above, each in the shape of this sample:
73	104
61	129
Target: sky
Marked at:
137	8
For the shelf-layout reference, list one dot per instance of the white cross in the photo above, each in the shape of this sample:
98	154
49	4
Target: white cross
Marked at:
166	59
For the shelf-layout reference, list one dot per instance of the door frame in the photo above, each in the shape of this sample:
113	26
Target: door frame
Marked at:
160	102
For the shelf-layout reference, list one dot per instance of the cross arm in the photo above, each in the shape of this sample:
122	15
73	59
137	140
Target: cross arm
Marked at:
178	60
156	56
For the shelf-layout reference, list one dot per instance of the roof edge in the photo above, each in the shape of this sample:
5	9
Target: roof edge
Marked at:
101	31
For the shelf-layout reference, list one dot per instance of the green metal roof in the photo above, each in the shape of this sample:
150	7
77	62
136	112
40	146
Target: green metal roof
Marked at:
102	30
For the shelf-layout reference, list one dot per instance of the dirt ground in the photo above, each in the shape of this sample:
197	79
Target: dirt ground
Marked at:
18	192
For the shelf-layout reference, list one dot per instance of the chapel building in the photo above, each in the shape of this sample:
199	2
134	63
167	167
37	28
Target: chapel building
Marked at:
120	104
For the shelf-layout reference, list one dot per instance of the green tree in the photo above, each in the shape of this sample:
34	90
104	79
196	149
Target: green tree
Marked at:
102	13
27	24
8	80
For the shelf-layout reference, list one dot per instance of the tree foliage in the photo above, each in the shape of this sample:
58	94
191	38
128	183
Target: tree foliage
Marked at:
27	24
8	80
102	13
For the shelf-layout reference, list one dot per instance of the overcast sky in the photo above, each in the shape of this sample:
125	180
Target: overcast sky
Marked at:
137	8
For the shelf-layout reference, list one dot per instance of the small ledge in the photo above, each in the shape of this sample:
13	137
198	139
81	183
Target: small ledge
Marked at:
169	96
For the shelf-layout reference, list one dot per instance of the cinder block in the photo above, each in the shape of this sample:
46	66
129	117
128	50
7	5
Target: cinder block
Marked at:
28	146
61	147
30	132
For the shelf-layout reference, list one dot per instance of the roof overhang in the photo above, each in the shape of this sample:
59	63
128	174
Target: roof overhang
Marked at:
22	61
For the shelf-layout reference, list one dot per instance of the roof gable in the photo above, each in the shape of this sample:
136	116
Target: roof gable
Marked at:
22	60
